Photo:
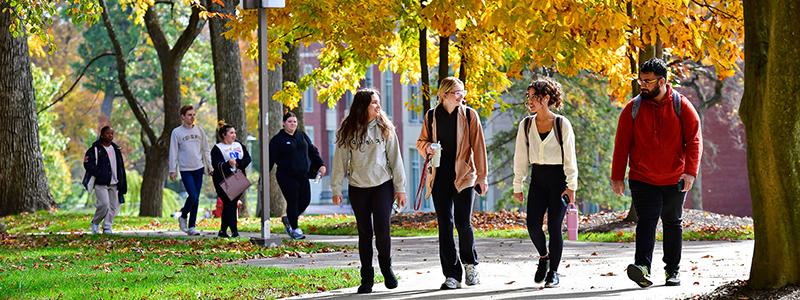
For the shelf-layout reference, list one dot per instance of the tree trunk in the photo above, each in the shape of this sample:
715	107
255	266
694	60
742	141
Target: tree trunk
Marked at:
425	80
773	145
291	72
108	105
23	184
228	77
155	173
444	61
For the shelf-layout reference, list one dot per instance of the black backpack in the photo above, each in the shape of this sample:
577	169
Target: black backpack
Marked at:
676	104
527	124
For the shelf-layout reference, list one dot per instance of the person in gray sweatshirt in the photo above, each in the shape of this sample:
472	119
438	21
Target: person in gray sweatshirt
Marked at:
368	154
189	154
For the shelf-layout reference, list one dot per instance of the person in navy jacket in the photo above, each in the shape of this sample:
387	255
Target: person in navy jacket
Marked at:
104	162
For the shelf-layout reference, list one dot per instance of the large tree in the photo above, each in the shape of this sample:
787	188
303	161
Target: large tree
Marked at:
228	81
23	185
156	147
769	111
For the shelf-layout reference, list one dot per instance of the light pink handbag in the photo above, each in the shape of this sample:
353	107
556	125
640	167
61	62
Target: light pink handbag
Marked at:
234	185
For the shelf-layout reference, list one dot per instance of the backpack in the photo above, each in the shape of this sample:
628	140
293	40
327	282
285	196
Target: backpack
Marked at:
527	124
676	104
430	122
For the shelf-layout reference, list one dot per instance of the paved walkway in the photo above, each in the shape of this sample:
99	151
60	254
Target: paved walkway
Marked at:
588	270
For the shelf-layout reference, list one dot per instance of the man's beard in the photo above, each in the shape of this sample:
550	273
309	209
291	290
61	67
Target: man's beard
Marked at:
649	94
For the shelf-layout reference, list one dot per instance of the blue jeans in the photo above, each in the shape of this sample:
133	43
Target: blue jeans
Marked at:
192	181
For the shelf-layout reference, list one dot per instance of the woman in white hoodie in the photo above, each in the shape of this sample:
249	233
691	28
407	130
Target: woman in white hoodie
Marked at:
368	153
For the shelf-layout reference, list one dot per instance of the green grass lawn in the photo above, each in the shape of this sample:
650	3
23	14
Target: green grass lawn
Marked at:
44	222
103	267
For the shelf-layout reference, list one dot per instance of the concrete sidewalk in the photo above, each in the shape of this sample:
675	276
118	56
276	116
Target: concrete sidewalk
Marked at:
588	270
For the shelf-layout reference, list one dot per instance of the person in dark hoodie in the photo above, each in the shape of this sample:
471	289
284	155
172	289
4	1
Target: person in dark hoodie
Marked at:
227	156
297	160
103	161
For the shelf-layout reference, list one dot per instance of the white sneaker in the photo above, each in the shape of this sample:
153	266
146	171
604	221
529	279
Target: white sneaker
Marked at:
95	228
192	231
450	284
298	231
182	224
297	234
471	275
108	231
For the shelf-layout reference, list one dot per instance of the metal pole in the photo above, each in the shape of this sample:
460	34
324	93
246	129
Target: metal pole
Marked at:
263	111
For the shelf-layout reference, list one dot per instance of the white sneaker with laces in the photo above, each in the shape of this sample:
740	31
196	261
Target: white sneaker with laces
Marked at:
192	231
182	224
95	229
471	275
450	284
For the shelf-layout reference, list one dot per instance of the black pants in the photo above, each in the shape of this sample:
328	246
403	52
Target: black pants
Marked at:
652	202
452	208
229	211
297	192
373	208
548	182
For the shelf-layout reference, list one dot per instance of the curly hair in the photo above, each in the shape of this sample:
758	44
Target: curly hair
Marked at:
355	125
547	86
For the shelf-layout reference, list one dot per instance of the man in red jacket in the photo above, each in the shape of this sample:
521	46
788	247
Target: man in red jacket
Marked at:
659	134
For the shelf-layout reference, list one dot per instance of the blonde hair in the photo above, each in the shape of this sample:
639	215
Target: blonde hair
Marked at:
448	85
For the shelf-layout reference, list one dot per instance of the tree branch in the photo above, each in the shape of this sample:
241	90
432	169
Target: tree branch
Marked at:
61	98
189	34
716	10
157	35
135	105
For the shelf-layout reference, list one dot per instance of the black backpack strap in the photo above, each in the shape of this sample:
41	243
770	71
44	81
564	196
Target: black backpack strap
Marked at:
527	124
430	124
676	103
637	101
559	137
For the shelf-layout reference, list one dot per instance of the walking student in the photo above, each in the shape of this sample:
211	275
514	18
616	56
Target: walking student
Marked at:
189	154
659	136
368	154
297	160
230	156
104	162
546	142
462	170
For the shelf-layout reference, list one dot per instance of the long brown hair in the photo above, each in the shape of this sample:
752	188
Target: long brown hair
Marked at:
354	126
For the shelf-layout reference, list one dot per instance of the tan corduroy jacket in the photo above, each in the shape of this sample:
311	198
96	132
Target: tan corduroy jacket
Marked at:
471	166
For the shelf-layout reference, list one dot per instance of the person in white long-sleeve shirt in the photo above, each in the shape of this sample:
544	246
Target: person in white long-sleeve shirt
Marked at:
546	141
189	154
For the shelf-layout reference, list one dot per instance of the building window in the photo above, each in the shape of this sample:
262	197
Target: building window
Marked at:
388	92
368	78
331	147
308	95
310	133
414	96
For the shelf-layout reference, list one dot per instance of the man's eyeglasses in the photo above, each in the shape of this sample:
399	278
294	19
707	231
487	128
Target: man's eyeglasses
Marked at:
647	81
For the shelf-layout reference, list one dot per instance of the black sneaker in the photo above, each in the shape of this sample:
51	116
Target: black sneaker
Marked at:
673	279
223	234
541	270
640	275
552	279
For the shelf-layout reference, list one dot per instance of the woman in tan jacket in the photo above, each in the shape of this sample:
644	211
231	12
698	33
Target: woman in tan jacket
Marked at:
462	169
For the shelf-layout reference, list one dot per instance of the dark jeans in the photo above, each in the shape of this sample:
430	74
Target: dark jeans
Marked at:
297	192
193	182
373	209
544	195
452	208
652	202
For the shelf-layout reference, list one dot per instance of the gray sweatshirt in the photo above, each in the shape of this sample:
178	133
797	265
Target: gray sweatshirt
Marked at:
369	164
188	149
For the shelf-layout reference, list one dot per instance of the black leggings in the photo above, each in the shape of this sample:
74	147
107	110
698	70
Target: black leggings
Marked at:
548	182
297	192
229	211
373	208
454	208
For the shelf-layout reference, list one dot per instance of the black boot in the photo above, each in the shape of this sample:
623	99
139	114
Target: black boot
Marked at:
388	275
367	280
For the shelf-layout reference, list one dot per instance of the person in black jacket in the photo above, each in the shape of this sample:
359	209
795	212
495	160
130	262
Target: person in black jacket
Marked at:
103	161
227	157
297	160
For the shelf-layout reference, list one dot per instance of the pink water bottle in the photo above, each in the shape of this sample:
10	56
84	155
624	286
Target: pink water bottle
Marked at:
572	222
